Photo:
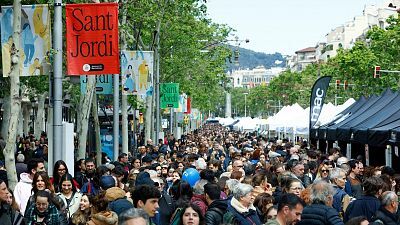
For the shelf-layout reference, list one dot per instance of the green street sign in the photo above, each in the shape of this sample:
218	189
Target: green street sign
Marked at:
169	95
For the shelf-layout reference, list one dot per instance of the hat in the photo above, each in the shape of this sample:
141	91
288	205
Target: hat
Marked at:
147	159
107	182
341	160
272	154
143	178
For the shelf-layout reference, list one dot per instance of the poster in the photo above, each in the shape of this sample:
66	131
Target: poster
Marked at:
92	39
35	39
137	72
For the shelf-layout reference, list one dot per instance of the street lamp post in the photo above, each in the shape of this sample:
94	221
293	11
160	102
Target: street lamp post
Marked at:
245	104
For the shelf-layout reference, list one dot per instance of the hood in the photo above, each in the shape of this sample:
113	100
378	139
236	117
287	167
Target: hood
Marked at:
25	178
114	193
220	204
106	218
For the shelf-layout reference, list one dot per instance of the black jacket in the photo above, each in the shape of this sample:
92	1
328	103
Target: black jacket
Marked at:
364	206
320	214
386	217
215	212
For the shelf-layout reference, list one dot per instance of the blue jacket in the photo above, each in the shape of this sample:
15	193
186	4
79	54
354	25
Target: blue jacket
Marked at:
364	206
247	218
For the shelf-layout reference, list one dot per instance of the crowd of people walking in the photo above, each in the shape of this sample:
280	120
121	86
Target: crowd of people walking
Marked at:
211	176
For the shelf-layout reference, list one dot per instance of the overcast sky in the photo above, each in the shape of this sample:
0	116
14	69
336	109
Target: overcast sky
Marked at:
284	26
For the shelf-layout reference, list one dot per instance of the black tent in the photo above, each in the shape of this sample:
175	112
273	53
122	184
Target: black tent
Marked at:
373	121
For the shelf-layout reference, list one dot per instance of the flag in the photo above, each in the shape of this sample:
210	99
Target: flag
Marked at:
318	94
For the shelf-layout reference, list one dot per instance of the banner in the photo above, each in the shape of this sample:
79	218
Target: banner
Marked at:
35	39
137	72
104	84
318	93
169	95
92	39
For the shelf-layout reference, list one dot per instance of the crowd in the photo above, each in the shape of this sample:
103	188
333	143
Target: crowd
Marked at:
211	176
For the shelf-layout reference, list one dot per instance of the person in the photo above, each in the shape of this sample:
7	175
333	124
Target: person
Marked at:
8	215
292	185
117	201
368	204
359	220
60	168
290	208
263	203
321	211
240	209
43	211
82	215
387	213
133	216
271	213
41	181
191	215
20	165
146	197
216	207
296	167
341	199
69	195
22	191
354	187
80	172
100	214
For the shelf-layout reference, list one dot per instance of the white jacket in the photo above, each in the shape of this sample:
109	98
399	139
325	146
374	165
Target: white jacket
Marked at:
22	191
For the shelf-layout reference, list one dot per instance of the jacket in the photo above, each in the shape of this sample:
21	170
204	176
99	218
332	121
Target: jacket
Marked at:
167	208
22	192
364	206
200	202
320	214
104	218
8	216
241	215
53	216
215	212
383	215
73	205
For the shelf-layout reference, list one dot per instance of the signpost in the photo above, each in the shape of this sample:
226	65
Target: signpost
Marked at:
169	95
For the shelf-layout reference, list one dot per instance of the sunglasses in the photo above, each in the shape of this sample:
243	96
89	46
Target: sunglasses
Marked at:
323	171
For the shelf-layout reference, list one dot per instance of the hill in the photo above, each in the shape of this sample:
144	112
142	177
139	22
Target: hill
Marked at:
251	59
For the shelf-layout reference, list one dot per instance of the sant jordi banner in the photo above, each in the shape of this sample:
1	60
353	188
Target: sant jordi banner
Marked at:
92	39
35	39
137	72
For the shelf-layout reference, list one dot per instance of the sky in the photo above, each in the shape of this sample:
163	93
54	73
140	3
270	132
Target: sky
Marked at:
284	26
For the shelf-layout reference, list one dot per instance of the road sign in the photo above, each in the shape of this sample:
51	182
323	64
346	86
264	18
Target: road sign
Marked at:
169	95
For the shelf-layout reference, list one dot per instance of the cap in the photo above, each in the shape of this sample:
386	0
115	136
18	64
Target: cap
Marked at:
341	160
107	182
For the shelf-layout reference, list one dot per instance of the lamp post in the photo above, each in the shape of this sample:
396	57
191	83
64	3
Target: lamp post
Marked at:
245	104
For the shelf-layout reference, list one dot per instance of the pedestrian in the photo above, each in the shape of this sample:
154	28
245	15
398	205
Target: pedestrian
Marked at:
289	211
82	215
133	216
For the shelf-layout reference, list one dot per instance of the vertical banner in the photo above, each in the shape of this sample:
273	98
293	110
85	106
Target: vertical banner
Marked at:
318	93
169	95
104	84
137	72
188	105
92	39
35	39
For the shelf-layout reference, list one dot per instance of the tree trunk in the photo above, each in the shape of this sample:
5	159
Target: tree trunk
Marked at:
20	125
84	115
26	110
15	99
96	122
6	116
40	116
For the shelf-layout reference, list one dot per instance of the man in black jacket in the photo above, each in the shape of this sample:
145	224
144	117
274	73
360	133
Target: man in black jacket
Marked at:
321	211
387	212
8	216
216	207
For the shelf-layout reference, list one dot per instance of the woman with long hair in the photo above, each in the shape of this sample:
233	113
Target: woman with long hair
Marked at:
191	215
82	216
60	168
101	215
69	194
41	182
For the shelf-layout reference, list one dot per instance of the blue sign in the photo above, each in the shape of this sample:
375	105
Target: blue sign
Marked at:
104	84
107	142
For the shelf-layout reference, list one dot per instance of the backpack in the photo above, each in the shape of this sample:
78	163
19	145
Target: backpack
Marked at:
229	218
176	217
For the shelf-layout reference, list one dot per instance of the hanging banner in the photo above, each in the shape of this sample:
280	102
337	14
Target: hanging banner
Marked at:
92	39
35	39
169	95
104	84
318	93
188	105
137	72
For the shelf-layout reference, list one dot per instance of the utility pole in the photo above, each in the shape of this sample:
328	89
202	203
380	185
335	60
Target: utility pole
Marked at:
57	85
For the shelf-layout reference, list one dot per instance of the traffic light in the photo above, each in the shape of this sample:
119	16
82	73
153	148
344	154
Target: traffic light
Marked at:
345	85
337	84
377	72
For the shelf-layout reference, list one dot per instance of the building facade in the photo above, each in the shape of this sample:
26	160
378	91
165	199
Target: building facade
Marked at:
251	78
